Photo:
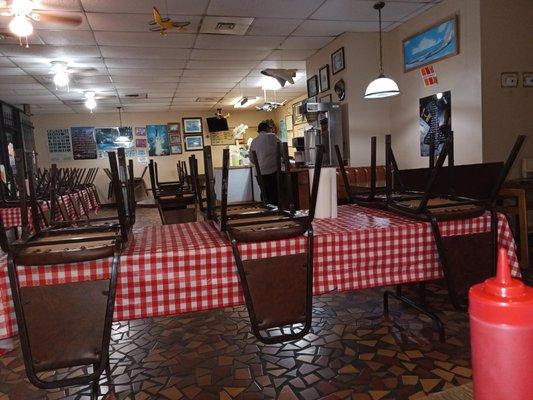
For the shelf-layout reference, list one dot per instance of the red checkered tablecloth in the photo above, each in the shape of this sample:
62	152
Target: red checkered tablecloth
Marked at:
181	268
11	216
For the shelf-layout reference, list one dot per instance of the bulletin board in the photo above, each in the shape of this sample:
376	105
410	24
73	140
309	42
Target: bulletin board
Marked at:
83	143
59	144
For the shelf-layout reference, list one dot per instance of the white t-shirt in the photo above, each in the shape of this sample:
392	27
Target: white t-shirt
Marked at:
266	147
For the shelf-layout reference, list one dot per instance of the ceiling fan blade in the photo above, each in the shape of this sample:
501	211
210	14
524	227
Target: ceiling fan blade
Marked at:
81	70
60	19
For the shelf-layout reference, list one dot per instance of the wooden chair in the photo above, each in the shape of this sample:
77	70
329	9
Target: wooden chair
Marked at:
175	204
138	183
278	290
465	259
67	325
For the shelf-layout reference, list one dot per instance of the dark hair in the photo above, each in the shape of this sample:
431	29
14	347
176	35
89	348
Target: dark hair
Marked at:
263	127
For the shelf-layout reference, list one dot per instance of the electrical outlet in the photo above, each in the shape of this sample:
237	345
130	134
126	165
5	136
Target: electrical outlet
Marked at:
509	79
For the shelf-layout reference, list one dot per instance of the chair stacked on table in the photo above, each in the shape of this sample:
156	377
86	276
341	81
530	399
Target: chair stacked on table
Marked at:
277	290
175	200
465	259
68	325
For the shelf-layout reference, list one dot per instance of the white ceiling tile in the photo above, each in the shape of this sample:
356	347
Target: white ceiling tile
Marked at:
282	64
73	37
148	53
207	85
184	100
5	62
78	79
135	22
193	7
58	5
8	38
290	55
12	71
215	72
52	52
363	10
262	8
143	87
238	42
305	42
144	39
144	72
143	64
224	64
228	54
145	79
273	27
213	79
335	28
16	79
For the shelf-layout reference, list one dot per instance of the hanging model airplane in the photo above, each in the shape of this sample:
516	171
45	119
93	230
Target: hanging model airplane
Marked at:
219	114
270	106
281	75
162	25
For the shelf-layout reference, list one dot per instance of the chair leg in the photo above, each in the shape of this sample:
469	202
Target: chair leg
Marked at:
95	386
420	308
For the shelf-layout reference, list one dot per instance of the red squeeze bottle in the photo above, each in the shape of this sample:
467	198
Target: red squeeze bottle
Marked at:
501	332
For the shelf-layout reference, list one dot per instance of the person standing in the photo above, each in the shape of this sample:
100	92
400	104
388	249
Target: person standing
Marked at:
265	146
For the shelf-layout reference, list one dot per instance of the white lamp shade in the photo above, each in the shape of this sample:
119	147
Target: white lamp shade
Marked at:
61	79
381	87
21	26
90	103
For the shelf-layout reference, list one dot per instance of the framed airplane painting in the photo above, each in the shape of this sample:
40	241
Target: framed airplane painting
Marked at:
435	43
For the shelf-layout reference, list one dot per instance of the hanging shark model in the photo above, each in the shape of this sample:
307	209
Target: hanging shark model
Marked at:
270	106
281	75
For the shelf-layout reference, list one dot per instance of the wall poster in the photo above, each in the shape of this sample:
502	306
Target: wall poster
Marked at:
83	143
435	119
59	144
157	136
111	138
222	138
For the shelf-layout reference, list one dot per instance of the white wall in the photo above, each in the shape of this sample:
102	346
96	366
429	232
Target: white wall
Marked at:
399	116
166	164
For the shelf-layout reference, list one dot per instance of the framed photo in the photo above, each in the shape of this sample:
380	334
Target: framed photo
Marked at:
340	89
288	122
337	61
192	125
173	127
312	86
311	99
140	131
175	149
325	99
297	116
193	143
323	74
527	79
509	79
174	138
141	143
437	42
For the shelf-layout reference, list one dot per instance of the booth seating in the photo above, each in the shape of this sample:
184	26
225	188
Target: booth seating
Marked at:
69	324
175	201
466	259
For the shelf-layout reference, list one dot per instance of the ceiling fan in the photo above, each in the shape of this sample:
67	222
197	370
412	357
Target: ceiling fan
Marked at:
23	13
62	73
219	114
89	99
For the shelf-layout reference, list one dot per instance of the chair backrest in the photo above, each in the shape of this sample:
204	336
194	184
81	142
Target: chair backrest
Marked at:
123	189
209	183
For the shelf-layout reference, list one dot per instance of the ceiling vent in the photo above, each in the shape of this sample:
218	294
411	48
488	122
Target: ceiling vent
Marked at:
226	25
206	99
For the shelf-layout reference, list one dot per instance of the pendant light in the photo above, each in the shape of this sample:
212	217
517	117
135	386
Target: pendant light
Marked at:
381	86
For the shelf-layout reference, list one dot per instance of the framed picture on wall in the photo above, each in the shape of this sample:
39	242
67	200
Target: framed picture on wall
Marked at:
193	143
323	74
325	99
337	61
437	42
192	125
312	86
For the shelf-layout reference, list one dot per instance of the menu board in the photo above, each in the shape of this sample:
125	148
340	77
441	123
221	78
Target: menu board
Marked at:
83	143
222	138
59	144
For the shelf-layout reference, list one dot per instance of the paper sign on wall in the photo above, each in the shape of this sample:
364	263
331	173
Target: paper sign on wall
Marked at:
59	144
429	76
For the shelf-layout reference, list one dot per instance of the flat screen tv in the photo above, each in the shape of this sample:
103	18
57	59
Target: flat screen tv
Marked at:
216	124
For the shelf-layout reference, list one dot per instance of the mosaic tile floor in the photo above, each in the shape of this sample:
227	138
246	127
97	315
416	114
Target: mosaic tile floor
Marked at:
351	353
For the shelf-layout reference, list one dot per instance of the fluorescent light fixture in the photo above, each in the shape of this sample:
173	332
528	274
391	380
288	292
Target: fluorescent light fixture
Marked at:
243	102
